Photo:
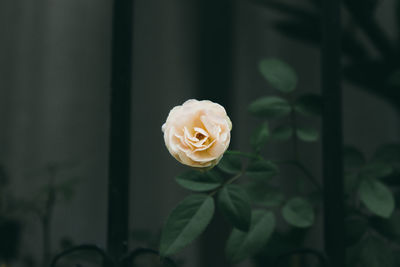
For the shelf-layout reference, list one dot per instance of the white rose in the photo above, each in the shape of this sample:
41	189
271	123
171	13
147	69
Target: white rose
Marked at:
197	133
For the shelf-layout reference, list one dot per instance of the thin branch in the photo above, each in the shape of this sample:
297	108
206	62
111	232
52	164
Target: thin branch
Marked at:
231	180
243	154
372	29
307	173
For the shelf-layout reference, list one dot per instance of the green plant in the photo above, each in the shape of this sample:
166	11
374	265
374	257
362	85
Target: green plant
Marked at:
372	221
43	201
370	54
248	189
10	226
246	186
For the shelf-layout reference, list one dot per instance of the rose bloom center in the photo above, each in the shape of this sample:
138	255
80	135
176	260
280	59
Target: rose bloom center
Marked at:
200	136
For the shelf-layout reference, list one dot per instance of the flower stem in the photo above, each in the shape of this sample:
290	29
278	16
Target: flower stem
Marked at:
296	162
234	178
307	173
231	180
243	154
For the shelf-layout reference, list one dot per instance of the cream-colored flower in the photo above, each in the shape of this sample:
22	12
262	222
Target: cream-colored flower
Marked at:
197	133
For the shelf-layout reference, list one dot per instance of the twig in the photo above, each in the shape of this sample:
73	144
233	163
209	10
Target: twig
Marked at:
243	154
303	168
233	179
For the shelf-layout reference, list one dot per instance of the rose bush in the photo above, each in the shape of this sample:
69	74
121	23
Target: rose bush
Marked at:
245	186
197	133
249	189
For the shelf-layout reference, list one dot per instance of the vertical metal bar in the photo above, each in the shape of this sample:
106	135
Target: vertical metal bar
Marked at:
215	83
332	140
215	50
119	161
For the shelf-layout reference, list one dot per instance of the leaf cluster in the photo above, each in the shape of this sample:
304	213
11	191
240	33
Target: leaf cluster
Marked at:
372	225
378	74
245	187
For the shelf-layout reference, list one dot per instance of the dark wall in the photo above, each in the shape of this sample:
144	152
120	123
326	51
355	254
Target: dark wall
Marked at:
54	95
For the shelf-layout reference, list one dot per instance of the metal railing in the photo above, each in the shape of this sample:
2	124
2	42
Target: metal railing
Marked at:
119	161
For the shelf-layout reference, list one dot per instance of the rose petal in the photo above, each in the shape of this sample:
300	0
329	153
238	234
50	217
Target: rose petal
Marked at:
223	137
189	136
201	156
197	133
204	147
200	143
218	148
183	141
211	127
201	130
168	136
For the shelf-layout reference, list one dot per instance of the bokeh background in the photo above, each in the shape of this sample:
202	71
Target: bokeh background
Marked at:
54	108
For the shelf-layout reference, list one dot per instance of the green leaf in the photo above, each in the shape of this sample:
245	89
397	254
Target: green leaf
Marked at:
352	157
199	181
376	197
298	212
270	106
376	170
242	245
185	223
235	205
279	74
309	104
307	134
261	169
231	164
259	137
282	133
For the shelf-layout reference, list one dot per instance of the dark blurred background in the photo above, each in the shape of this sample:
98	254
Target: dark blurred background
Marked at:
54	112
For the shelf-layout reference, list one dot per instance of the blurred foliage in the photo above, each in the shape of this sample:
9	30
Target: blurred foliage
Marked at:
371	61
10	226
372	221
40	202
370	56
248	189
